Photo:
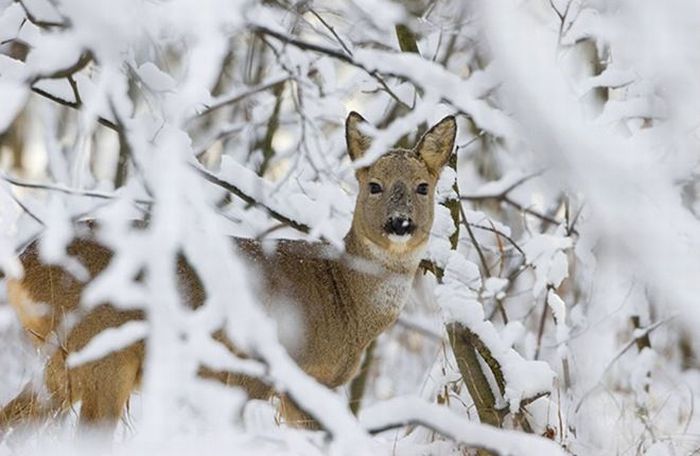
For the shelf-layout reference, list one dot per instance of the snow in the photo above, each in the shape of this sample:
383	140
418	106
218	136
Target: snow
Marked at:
154	78
9	263
559	312
43	10
493	287
610	77
51	54
13	96
440	84
59	88
297	206
402	410
523	378
499	186
108	341
383	14
439	244
444	189
546	254
10	21
641	107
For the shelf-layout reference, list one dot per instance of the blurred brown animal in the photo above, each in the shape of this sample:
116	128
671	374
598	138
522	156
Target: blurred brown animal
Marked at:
341	305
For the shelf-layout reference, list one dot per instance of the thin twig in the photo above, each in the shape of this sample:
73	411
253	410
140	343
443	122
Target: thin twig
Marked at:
332	30
83	61
418	328
303	45
66	190
74	87
540	331
56	99
235	98
638	334
74	105
499	233
530	211
478	136
27	210
504	192
476	245
306	46
127	148
504	197
249	199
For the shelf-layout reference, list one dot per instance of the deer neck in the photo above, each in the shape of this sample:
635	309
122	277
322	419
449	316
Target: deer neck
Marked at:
379	281
403	263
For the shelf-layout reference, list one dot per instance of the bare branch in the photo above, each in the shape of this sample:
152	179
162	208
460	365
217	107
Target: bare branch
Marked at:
499	233
305	45
82	62
332	30
74	104
66	190
55	99
504	197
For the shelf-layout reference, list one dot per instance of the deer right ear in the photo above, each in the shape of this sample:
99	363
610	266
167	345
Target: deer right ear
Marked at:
435	147
358	143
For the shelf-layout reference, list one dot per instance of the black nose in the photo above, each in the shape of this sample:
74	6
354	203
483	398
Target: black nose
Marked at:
399	225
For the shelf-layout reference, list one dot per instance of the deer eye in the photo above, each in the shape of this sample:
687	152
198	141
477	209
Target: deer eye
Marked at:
422	189
375	188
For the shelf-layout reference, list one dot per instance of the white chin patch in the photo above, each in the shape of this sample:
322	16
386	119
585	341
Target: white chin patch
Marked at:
395	238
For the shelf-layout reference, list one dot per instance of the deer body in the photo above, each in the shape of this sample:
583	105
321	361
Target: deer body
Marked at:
339	307
328	305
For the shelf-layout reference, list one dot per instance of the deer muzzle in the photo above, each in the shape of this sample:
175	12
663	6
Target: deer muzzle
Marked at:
399	226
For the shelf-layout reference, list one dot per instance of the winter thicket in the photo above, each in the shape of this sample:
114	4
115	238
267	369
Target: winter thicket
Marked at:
557	304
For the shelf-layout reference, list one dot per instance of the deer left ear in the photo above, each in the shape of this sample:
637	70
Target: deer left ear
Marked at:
358	143
435	147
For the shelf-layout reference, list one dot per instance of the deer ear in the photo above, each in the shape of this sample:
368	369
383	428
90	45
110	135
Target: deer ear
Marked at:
358	142
435	147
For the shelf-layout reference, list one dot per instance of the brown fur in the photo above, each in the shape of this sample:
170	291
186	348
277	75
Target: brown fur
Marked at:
340	302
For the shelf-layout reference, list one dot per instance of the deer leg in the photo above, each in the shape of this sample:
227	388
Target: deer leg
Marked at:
104	399
296	417
30	406
104	385
25	408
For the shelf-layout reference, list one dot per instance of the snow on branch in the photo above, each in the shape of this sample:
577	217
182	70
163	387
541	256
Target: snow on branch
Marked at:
246	196
108	341
402	411
521	378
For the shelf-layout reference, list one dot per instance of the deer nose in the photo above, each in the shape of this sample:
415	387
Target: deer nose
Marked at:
399	225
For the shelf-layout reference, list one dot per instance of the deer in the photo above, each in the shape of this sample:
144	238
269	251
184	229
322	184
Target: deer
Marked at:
342	307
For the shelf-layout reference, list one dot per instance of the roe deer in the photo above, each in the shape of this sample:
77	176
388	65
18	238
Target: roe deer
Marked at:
341	307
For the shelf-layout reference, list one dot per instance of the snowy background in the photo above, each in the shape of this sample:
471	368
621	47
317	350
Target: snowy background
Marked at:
565	260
